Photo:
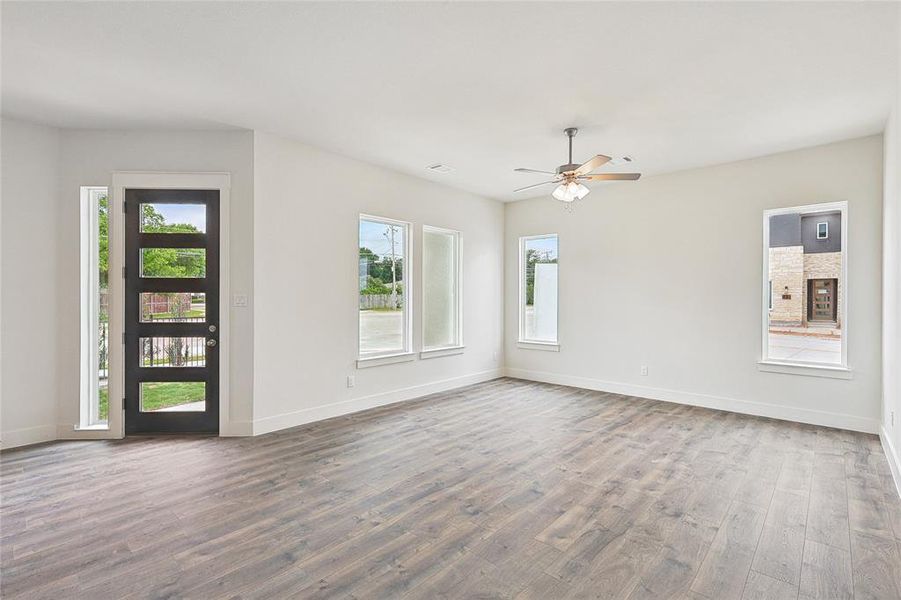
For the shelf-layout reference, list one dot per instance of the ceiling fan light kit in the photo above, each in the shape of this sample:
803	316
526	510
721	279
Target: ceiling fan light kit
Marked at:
570	192
568	177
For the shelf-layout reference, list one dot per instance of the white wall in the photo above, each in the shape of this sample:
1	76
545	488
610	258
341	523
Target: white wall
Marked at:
31	271
89	158
650	293
306	208
891	281
666	272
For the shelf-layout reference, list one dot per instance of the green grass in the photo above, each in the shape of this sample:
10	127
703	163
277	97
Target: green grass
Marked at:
164	360
164	395
160	395
104	404
187	314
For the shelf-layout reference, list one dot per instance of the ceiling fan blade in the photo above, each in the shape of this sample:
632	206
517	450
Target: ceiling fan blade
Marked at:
591	164
611	177
534	171
534	185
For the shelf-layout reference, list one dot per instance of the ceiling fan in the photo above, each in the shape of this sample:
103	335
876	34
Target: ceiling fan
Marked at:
569	177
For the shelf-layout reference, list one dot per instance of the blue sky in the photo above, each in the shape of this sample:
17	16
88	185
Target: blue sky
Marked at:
543	245
194	214
372	236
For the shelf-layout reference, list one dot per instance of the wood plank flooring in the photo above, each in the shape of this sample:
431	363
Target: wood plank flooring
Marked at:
508	489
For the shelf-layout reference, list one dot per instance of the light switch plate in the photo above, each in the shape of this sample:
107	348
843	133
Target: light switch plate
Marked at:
239	300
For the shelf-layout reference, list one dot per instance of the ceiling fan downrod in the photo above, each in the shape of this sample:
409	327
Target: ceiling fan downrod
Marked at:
571	133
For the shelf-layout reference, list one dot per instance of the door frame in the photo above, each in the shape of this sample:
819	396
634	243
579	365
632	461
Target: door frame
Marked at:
161	180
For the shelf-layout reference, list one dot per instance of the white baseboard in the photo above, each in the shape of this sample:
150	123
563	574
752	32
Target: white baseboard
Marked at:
29	435
760	409
236	429
344	407
892	456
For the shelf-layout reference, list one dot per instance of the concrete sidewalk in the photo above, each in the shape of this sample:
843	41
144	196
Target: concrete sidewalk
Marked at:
805	347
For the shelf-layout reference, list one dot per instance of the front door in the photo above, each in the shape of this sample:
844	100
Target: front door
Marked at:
171	311
821	300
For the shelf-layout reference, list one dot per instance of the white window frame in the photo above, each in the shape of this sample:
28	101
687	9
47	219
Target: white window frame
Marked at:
839	371
522	341
373	359
826	236
89	396
458	346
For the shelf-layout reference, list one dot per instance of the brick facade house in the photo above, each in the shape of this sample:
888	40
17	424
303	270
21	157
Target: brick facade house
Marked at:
805	263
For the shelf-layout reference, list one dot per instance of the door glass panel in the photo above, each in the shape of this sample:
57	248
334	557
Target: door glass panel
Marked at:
173	218
173	396
173	352
173	307
173	262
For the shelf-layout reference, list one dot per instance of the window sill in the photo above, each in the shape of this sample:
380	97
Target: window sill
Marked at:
810	370
97	427
439	352
546	346
390	359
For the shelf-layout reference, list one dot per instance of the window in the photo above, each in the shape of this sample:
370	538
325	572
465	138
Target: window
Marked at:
805	270
538	290
441	302
384	293
94	272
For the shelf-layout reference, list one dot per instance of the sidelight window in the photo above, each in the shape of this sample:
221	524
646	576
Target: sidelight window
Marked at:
94	307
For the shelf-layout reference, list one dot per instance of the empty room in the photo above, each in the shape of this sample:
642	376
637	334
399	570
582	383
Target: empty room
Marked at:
384	300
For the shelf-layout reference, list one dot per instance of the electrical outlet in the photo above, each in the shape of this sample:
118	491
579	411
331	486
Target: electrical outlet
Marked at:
644	369
494	356
351	381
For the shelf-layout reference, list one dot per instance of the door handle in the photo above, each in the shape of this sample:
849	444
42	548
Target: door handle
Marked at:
211	342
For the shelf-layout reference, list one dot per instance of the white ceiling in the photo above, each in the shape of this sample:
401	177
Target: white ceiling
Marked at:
484	88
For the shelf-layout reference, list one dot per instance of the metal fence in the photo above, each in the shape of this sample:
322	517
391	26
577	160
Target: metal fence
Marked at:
173	352
159	351
374	301
104	349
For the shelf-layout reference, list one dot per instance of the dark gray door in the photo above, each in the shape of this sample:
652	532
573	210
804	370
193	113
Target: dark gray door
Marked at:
171	311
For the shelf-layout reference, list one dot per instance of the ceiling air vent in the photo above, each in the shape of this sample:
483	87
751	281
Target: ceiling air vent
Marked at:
439	168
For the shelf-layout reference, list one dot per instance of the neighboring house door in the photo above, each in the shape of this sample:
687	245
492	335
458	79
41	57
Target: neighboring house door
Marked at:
171	311
822	300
